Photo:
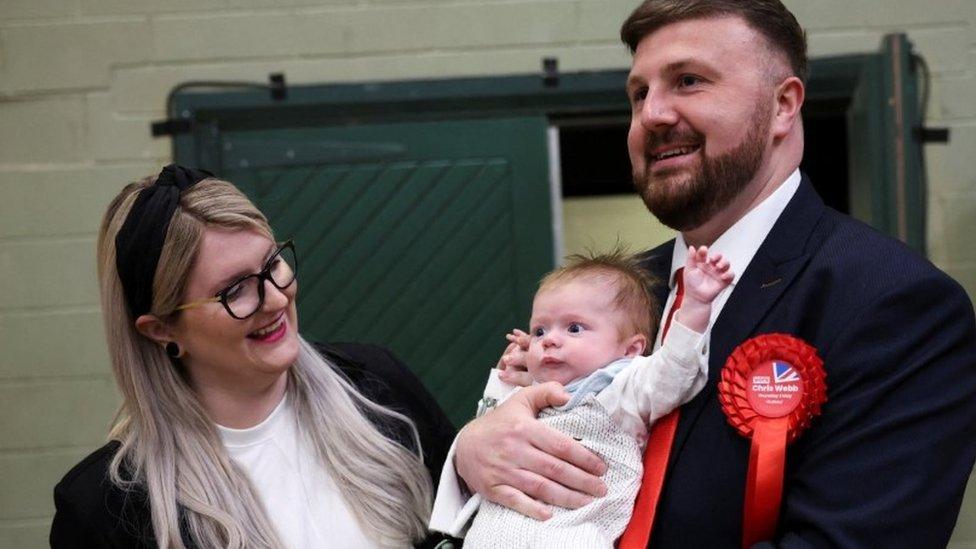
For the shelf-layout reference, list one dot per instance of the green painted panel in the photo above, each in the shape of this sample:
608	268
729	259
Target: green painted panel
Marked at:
903	113
868	159
886	179
425	237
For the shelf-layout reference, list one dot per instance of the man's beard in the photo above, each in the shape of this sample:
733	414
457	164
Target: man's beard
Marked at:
711	186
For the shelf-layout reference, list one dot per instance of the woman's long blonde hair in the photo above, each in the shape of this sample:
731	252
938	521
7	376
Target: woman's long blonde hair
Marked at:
172	450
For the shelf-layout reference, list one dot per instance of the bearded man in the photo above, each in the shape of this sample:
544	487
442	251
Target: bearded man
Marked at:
715	142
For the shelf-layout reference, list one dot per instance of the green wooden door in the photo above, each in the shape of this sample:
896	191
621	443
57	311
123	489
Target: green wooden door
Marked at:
427	238
886	179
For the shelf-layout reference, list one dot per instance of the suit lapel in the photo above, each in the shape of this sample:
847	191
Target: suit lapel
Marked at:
772	270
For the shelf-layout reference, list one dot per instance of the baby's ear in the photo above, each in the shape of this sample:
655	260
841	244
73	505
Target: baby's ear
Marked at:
635	345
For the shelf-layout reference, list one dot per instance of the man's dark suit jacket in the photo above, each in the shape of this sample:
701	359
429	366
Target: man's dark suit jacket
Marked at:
887	462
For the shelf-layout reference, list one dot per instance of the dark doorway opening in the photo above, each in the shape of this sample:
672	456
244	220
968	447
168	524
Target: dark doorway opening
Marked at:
825	154
593	156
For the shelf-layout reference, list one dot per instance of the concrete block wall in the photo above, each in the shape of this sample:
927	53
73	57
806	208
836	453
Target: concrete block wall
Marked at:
80	81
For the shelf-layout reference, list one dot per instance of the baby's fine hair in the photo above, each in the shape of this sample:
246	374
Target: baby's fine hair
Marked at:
620	271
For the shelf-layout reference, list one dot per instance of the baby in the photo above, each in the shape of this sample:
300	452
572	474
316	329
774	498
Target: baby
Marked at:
592	322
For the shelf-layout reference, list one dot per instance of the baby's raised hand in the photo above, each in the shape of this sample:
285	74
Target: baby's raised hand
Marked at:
705	276
511	365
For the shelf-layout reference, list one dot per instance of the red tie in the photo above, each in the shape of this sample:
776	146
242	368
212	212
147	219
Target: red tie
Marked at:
638	531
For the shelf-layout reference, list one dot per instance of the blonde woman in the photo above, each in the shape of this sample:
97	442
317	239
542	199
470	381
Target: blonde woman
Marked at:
233	430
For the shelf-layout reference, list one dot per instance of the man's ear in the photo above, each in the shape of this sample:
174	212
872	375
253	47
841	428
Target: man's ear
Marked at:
635	345
789	100
155	329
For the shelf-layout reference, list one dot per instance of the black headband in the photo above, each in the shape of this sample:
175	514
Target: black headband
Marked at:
141	238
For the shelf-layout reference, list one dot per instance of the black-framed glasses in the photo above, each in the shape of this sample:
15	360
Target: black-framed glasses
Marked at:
245	296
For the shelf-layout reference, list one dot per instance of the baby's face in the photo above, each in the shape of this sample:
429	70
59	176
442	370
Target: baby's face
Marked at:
575	331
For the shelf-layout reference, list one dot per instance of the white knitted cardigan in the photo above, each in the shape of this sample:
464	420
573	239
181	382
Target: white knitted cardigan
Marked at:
596	525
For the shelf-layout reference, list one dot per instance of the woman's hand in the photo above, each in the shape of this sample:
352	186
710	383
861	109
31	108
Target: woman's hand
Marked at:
512	459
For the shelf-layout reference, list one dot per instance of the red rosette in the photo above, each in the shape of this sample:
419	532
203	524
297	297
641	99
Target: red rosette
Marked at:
733	389
772	387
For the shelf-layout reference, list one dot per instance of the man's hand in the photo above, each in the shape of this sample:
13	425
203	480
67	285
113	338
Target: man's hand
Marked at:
512	459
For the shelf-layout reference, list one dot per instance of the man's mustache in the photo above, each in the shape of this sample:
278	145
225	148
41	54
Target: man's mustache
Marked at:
673	136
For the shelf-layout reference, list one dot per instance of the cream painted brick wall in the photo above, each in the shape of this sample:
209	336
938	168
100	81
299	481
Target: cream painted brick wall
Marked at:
945	165
235	36
55	414
466	25
25	534
831	14
26	470
56	130
85	53
952	99
80	80
29	351
600	21
35	274
362	30
35	9
951	210
119	136
61	199
965	533
154	7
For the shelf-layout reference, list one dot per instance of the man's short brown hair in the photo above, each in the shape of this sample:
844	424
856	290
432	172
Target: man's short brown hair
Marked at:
620	273
770	18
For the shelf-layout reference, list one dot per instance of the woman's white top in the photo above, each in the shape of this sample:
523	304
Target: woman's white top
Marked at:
300	497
